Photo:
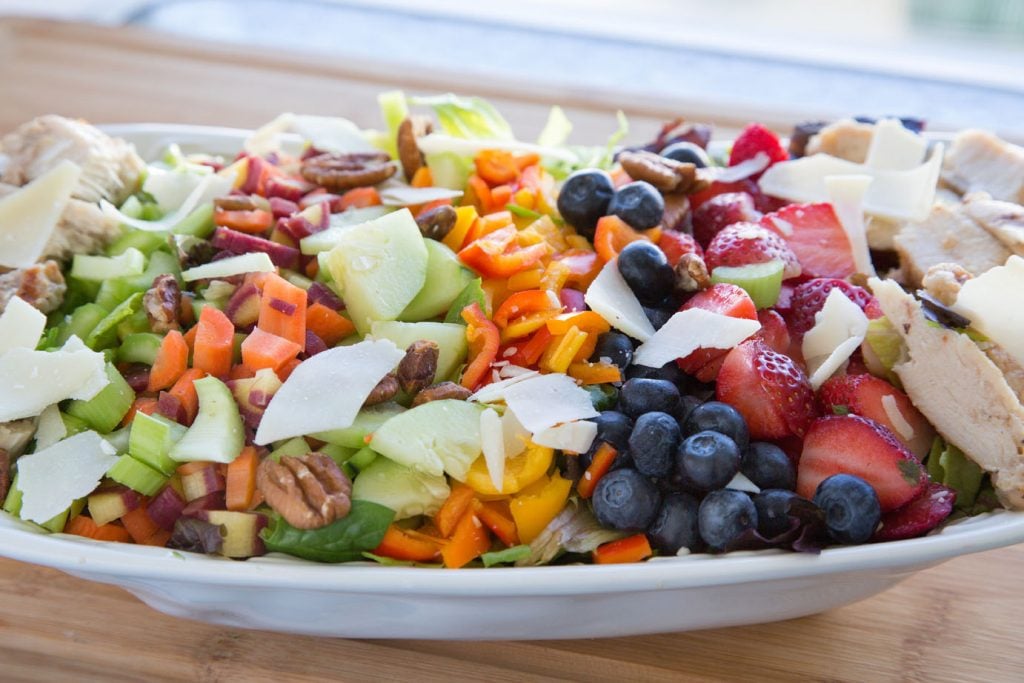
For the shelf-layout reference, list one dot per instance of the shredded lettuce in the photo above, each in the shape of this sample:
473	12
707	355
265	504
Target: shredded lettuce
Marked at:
592	157
574	530
556	130
466	117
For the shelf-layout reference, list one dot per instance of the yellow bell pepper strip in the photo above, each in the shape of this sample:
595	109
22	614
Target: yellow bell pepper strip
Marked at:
520	471
484	341
562	350
538	504
599	466
527	279
595	373
526	311
588	321
496	517
466	216
468	542
555	276
498	254
630	549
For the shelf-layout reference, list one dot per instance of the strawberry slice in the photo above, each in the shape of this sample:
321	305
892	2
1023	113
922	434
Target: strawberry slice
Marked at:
919	516
856	445
754	140
719	187
866	395
809	297
676	244
726	299
773	330
768	389
816	236
742	244
721	211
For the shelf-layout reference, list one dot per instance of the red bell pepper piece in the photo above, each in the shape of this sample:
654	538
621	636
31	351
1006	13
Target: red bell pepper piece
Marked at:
484	340
498	254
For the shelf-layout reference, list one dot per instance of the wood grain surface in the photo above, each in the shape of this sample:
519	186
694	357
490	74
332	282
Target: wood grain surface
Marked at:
956	622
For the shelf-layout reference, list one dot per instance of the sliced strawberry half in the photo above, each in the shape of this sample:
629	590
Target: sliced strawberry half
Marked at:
757	139
719	187
768	389
874	398
721	211
773	330
919	516
809	297
743	244
726	299
677	244
852	444
816	236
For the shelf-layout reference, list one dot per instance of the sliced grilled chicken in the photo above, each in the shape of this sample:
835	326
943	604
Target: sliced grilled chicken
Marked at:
978	161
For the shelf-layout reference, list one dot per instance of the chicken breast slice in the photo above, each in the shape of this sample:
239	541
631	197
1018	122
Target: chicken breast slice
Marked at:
41	285
978	161
846	139
961	392
14	436
1003	220
110	166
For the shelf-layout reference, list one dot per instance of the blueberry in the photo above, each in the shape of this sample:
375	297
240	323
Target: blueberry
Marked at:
653	443
639	396
768	466
669	372
646	270
718	417
658	316
708	460
584	198
773	511
615	347
687	152
639	204
724	515
625	500
675	525
614	428
851	508
685	407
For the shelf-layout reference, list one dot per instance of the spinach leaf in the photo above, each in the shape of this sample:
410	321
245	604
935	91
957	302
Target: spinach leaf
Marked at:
343	541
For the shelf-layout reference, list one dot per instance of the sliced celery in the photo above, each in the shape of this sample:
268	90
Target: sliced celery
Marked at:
143	240
362	459
104	334
762	281
136	323
82	322
12	504
394	108
73	425
216	434
119	439
300	281
56	523
132	207
129	263
115	292
198	223
160	262
139	347
105	411
136	475
151	440
293	447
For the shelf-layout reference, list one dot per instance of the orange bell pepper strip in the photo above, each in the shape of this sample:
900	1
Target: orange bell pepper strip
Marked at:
401	545
469	540
496	167
584	265
496	517
484	341
359	198
452	510
487	224
587	321
498	254
595	373
630	549
478	193
522	304
612	235
422	177
599	466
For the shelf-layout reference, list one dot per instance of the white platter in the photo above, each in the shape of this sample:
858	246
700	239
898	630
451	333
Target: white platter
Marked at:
280	593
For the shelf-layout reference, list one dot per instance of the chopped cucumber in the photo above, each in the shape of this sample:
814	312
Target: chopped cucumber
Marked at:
325	240
436	437
366	423
216	434
446	278
400	488
450	339
129	263
762	281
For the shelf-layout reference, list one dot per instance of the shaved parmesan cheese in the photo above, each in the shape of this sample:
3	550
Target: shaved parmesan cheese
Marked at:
693	329
53	478
575	437
838	331
899	422
611	298
170	188
740	171
492	442
331	134
741	483
31	380
994	302
514	434
210	187
404	195
846	193
51	428
255	262
21	325
327	390
29	215
495	391
547	400
438	143
267	138
894	148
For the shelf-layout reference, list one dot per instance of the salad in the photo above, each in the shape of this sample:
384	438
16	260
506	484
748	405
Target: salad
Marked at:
438	345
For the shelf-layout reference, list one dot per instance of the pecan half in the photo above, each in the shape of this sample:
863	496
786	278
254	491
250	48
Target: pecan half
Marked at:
416	370
668	175
386	389
409	153
436	223
162	302
5	473
310	491
440	392
692	274
340	172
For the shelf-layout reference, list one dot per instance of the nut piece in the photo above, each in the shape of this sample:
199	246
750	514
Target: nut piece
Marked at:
310	491
386	389
408	151
416	370
440	392
436	223
162	302
668	175
340	172
692	274
5	473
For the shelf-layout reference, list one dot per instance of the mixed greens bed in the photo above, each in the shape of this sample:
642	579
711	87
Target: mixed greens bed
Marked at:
439	345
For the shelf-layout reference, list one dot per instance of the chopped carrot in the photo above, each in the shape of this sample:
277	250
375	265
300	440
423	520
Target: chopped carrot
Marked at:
254	222
599	466
185	392
171	361
452	510
158	538
190	338
287	369
187	468
312	269
360	197
399	544
630	549
264	350
468	541
422	177
143	404
612	235
241	372
241	480
214	343
81	525
595	373
496	517
283	309
139	524
328	324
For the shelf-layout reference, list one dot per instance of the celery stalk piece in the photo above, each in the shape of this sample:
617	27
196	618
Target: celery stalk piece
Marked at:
113	293
119	440
160	262
81	323
199	223
216	434
394	109
139	347
73	425
104	334
129	263
12	503
136	475
151	440
294	447
762	281
106	409
146	242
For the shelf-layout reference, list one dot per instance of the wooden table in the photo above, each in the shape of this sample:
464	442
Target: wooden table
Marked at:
955	622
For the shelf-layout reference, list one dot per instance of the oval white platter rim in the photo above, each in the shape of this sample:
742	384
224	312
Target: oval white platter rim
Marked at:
20	541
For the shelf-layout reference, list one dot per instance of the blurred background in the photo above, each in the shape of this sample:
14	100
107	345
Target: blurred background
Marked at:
953	62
